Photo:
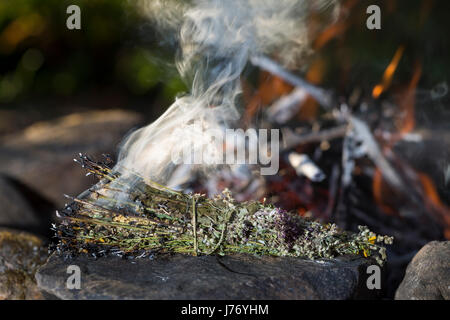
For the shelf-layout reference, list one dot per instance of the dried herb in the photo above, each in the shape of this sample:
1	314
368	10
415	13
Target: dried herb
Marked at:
144	218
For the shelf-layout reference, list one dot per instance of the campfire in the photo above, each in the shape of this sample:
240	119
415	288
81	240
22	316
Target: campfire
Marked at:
340	160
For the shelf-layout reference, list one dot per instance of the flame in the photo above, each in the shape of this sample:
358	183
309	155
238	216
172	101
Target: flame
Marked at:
270	88
330	33
339	27
407	102
316	71
383	194
378	186
388	73
309	108
434	203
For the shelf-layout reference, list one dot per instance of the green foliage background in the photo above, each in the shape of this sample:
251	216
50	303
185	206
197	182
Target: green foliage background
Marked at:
115	48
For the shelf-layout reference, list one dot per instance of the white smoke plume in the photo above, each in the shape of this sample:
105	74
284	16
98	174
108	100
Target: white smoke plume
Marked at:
216	39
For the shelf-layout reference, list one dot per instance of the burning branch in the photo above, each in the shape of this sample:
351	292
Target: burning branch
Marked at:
291	139
371	148
321	95
286	107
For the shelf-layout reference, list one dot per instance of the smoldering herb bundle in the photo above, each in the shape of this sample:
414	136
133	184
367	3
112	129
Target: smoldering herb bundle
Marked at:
147	218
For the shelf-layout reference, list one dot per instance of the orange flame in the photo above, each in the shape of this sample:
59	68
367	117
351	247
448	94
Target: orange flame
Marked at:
309	108
384	197
330	33
378	186
434	203
407	102
388	74
270	88
339	27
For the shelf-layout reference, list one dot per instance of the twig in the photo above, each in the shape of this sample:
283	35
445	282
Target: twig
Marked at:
287	106
304	166
334	181
194	226
372	149
322	96
291	139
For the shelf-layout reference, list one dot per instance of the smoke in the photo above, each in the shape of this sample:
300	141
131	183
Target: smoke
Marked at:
216	39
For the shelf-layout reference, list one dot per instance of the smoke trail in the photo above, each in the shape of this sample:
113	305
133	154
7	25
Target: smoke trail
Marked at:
216	38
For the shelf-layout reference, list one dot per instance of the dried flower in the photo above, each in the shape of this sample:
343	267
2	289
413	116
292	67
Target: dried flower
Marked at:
157	219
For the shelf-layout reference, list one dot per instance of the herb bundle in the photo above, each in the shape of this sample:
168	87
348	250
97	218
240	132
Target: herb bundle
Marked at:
148	218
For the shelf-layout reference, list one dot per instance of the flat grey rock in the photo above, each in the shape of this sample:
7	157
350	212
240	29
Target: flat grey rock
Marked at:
15	211
41	156
22	208
207	277
428	274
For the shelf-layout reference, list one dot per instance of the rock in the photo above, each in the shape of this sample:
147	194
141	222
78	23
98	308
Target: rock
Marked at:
206	277
42	155
21	254
23	209
7	121
428	274
15	208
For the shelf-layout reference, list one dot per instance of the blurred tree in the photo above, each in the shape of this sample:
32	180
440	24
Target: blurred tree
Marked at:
39	56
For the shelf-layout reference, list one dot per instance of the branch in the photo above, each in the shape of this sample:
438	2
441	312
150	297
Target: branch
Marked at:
322	96
287	106
291	139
